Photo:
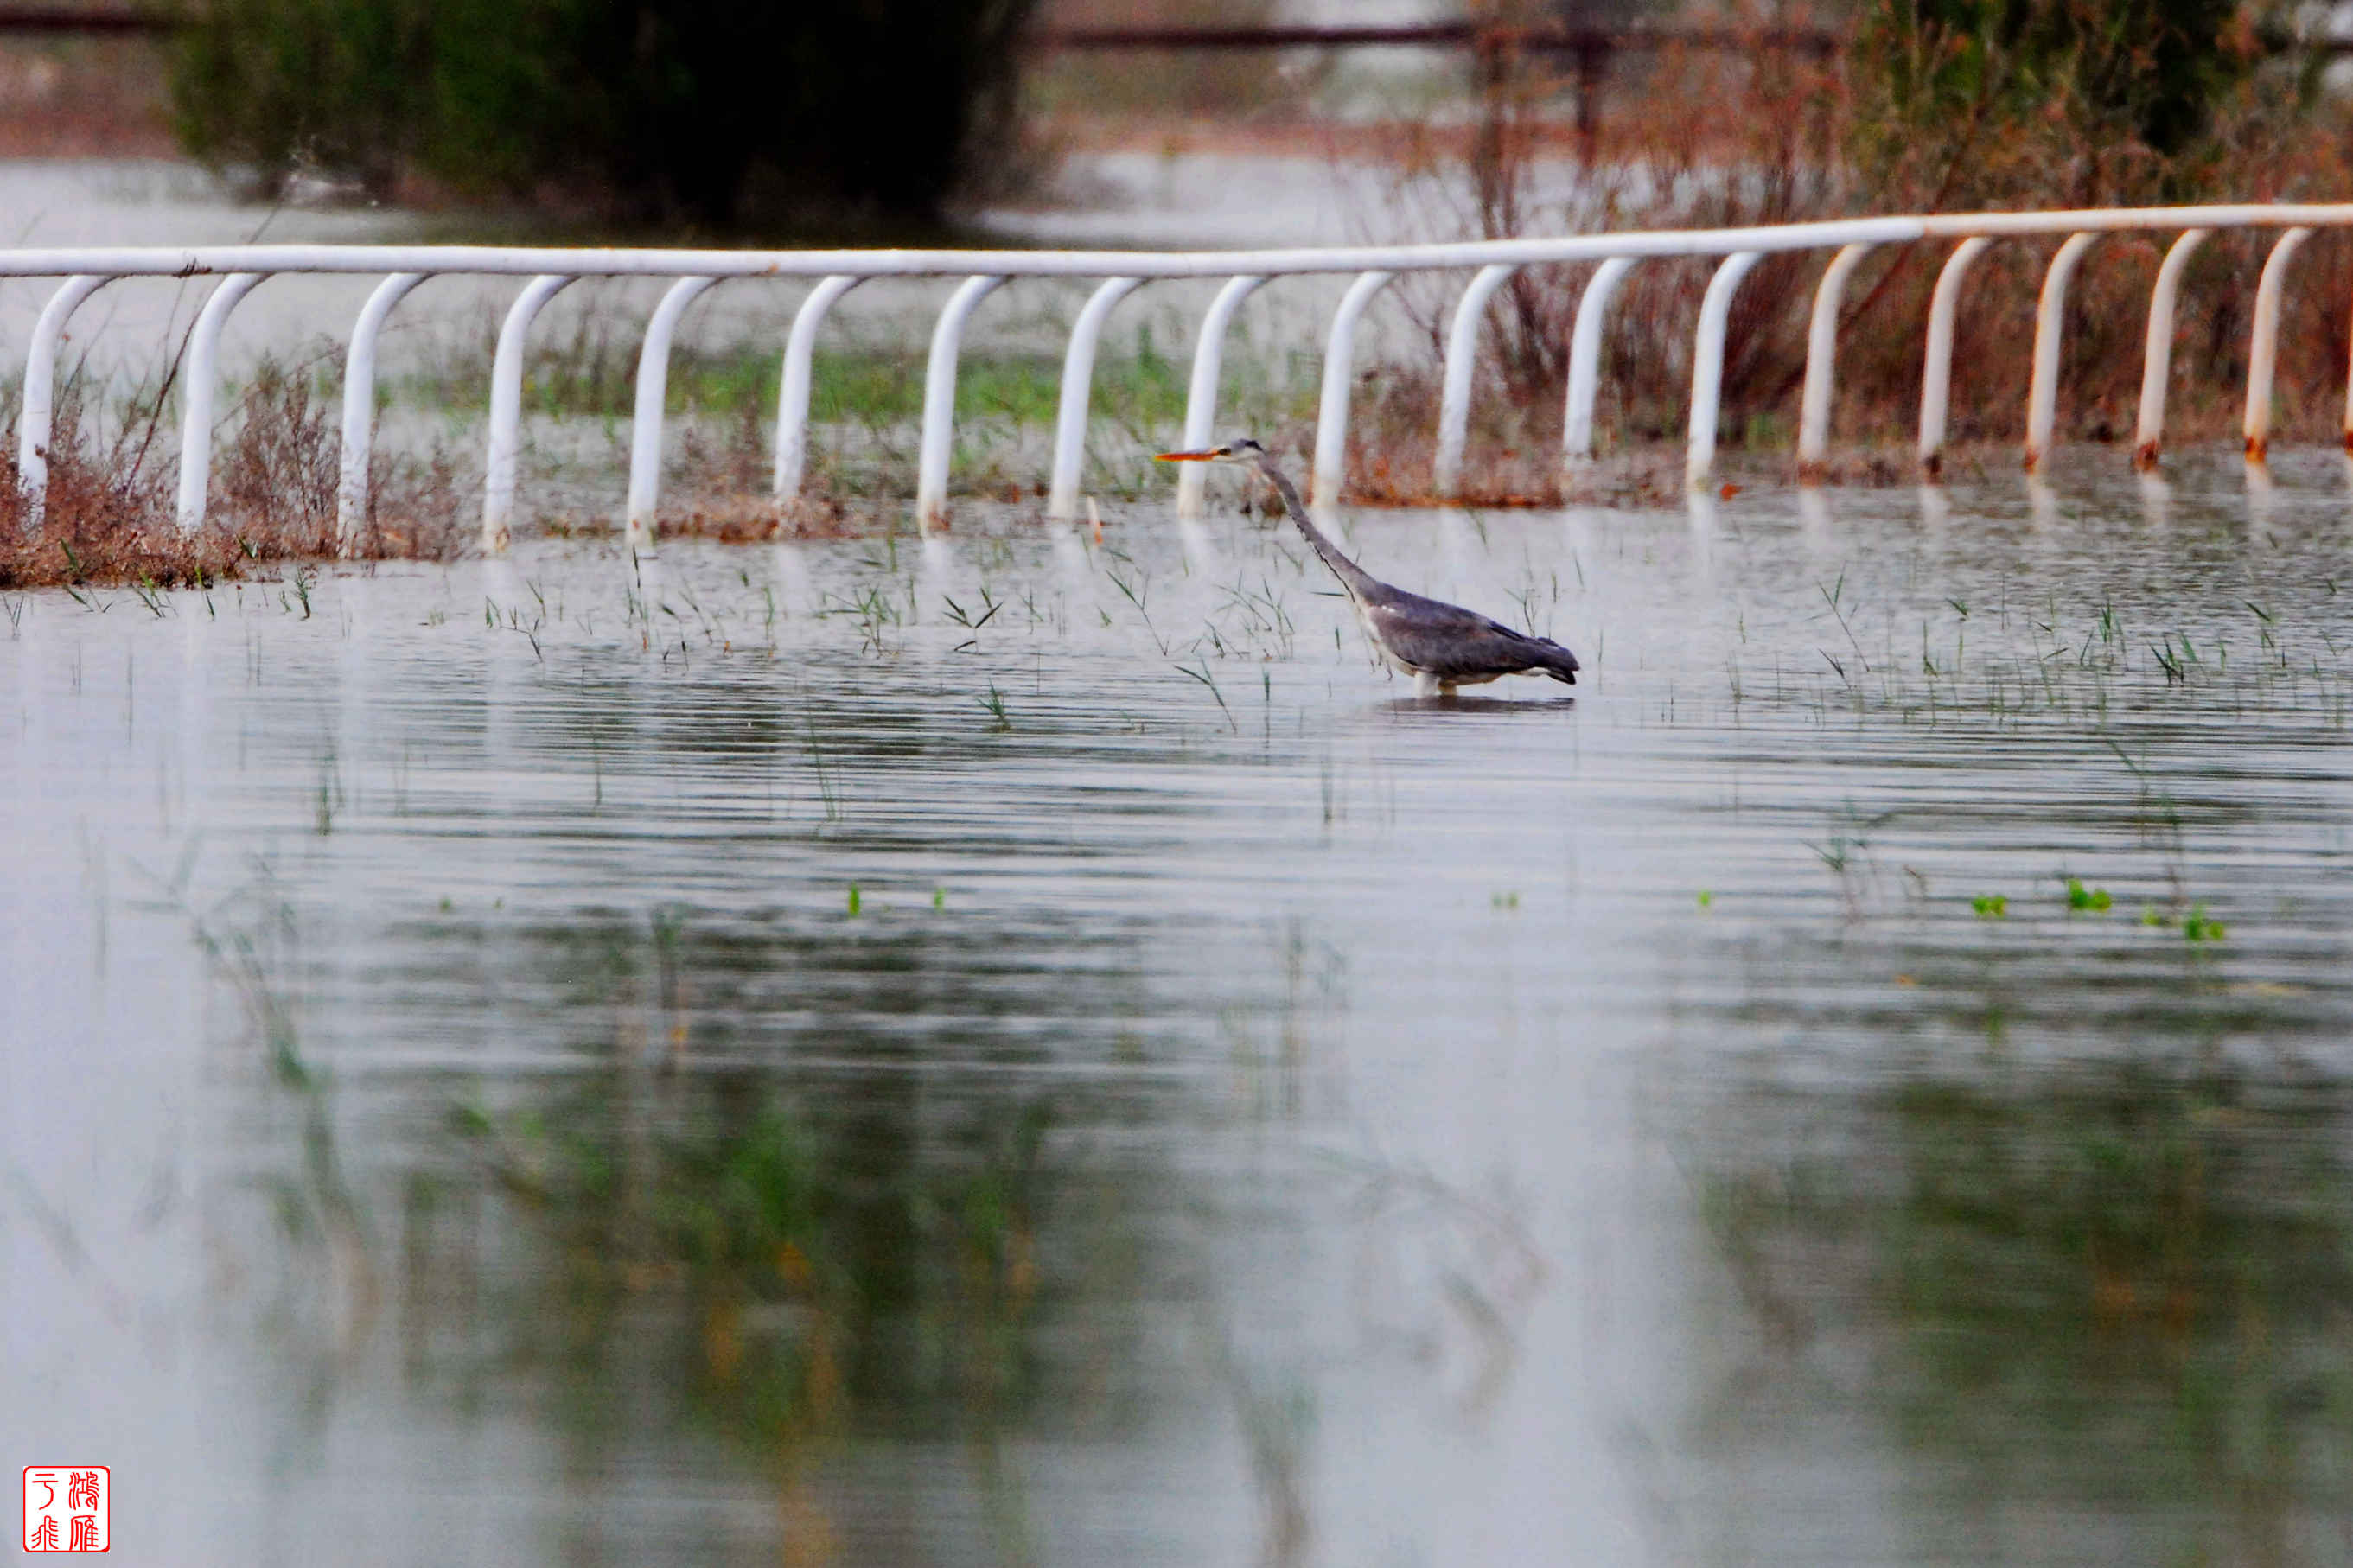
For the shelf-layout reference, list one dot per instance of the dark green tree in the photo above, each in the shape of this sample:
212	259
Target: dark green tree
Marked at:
717	112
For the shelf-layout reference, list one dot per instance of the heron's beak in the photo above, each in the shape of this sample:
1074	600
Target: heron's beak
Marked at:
1209	456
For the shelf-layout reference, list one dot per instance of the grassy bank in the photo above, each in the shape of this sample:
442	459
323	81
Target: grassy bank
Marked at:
871	387
865	415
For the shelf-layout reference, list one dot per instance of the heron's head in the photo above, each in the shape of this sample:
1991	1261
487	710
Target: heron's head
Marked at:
1244	450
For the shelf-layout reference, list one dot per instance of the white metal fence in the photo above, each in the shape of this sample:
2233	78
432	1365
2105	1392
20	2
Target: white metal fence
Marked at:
242	268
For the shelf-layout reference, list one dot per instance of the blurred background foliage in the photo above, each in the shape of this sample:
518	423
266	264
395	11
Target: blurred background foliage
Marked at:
720	113
2093	87
729	113
1210	86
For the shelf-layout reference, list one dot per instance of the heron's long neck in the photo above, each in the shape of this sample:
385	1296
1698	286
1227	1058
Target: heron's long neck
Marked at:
1353	577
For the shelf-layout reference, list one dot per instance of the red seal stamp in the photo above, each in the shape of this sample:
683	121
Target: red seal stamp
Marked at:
67	1508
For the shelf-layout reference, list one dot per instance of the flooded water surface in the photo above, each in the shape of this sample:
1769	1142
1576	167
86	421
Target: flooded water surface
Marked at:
1011	1048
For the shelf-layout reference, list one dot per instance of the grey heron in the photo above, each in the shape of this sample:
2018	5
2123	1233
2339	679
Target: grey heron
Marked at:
1441	646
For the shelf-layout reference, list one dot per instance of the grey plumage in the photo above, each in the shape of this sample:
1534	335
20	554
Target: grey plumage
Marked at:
1441	646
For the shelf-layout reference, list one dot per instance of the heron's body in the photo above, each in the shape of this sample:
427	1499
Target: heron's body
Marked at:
1441	645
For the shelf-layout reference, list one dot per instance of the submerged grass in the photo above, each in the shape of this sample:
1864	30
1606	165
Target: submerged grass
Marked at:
2074	660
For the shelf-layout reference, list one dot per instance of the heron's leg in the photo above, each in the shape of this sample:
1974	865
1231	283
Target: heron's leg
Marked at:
1425	684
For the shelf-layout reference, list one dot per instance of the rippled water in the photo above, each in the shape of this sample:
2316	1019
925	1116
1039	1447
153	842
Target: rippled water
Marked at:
1003	1048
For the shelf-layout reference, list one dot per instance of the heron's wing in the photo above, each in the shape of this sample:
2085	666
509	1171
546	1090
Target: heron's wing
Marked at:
1450	641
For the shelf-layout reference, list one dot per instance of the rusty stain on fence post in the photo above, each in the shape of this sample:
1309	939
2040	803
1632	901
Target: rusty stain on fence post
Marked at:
793	386
2050	320
936	443
1936	377
642	518
1822	366
1707	365
2262	346
2157	357
506	409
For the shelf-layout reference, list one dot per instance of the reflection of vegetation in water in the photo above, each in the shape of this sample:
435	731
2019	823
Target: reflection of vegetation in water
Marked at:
672	1246
711	1210
2116	1282
250	937
792	1245
666	1253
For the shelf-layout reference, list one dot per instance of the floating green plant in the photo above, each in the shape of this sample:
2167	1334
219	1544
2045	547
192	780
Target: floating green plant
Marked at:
2080	897
2198	927
1990	906
854	900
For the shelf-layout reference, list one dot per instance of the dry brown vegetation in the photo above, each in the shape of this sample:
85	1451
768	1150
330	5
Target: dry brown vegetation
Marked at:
108	514
1776	136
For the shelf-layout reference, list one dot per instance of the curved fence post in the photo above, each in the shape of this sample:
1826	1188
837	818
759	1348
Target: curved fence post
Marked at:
1078	391
2348	410
37	411
645	423
1330	472
2157	357
198	384
1461	359
1937	376
939	400
2049	324
793	386
1822	366
2263	347
506	409
359	407
1707	364
1201	399
1584	361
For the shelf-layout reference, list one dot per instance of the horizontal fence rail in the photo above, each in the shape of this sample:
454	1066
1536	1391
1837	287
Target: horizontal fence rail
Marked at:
832	273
